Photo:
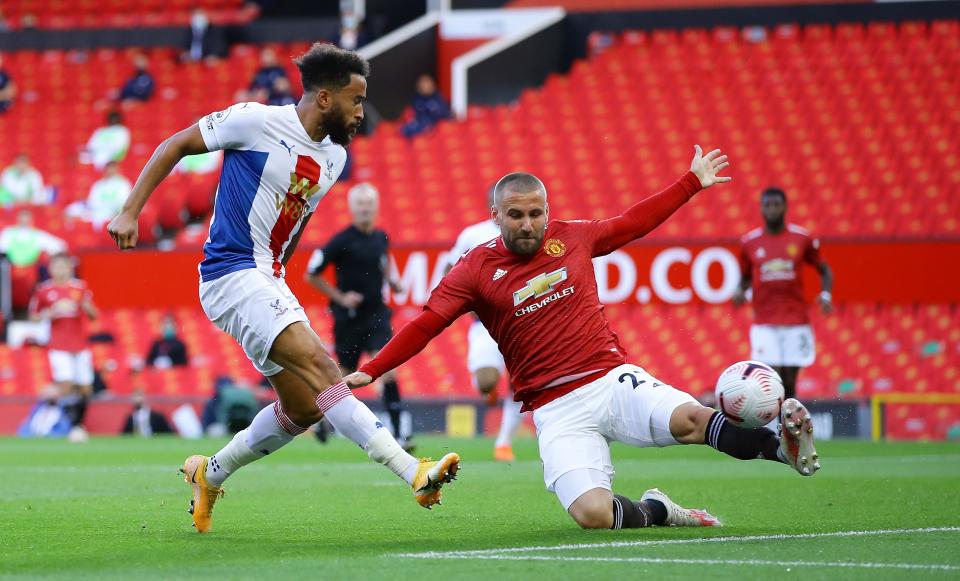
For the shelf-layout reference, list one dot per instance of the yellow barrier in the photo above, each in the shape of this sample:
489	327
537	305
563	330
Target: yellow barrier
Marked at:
461	421
877	401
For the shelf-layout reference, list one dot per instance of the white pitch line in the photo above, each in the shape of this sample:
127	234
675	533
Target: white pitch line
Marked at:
617	544
738	562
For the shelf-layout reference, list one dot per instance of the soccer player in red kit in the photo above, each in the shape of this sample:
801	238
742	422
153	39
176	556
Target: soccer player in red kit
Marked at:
534	289
771	259
67	302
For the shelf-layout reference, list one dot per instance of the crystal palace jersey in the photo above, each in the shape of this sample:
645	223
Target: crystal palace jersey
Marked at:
774	262
273	177
542	310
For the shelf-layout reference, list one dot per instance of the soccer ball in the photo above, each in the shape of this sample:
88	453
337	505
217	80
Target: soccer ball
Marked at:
750	393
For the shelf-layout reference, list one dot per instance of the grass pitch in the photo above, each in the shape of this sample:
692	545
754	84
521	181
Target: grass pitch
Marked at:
115	508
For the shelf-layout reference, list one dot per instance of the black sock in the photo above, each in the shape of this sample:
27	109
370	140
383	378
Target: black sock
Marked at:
391	399
75	407
628	514
658	512
81	412
742	443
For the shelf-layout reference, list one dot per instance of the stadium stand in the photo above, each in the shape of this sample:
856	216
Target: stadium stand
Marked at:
616	125
644	99
64	14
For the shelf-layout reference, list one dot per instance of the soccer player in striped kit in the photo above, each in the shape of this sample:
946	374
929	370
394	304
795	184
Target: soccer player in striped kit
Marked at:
278	163
535	290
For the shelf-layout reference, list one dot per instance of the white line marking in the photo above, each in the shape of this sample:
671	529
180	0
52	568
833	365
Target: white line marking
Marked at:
653	560
615	544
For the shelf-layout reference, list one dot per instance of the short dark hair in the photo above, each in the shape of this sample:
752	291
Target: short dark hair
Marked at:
518	181
326	66
773	191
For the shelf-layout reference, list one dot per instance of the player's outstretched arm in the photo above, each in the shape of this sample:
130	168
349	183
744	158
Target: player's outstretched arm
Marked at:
123	228
411	339
706	167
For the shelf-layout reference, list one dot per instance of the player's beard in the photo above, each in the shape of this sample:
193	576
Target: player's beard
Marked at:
776	224
518	243
340	131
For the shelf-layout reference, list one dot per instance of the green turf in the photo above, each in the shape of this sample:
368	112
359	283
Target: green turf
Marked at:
115	508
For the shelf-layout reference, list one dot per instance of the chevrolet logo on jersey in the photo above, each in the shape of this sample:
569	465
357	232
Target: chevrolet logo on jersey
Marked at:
540	285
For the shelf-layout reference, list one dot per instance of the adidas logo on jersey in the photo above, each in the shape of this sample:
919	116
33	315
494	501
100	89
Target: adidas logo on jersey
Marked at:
499	274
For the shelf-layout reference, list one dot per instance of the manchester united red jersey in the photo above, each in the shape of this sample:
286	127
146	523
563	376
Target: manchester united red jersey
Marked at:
542	310
68	324
775	261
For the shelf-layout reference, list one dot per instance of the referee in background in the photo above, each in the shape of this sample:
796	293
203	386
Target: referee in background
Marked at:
361	320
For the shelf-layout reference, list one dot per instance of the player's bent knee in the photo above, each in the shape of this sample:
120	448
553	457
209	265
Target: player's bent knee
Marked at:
593	509
305	417
688	423
324	365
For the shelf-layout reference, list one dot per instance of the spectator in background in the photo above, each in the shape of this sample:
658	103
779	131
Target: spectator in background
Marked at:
8	89
140	86
28	21
351	36
263	80
429	107
168	350
108	143
106	197
23	243
144	421
200	164
4	23
280	93
21	183
231	409
47	418
200	45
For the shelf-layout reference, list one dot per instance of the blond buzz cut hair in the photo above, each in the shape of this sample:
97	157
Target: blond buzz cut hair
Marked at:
517	181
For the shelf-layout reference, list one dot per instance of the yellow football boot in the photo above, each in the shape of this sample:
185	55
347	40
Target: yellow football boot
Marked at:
204	495
431	476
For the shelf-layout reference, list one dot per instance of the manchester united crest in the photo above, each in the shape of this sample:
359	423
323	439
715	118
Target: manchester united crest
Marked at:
792	250
555	247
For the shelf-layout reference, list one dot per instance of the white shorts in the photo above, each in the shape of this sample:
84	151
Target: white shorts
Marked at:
626	405
783	345
77	368
253	308
482	350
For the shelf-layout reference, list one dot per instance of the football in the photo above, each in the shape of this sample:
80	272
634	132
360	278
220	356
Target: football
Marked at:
750	393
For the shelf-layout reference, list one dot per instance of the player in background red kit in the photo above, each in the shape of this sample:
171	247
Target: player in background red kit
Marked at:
67	302
534	290
771	260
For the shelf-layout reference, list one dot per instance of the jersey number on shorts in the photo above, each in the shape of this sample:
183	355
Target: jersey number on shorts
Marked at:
635	380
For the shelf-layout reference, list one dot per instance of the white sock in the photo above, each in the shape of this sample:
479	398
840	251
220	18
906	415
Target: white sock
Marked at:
354	420
269	431
509	422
